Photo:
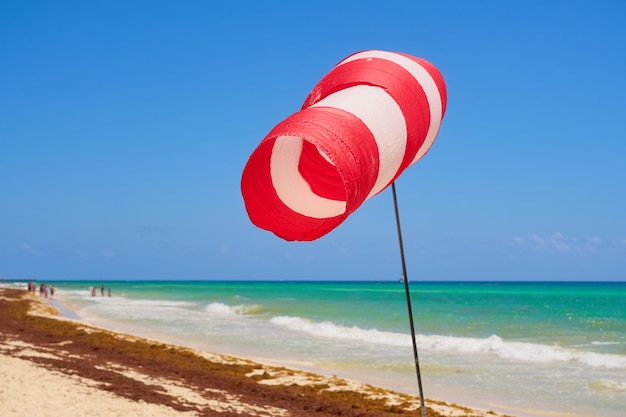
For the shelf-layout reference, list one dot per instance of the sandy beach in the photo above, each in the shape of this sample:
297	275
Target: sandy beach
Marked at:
53	366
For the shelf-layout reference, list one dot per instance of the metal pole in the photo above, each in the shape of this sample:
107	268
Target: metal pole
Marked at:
408	300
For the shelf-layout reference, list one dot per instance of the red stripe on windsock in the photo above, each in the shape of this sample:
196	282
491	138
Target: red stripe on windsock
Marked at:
437	77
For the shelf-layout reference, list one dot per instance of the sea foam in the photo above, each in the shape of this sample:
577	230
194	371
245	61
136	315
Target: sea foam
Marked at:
608	386
241	309
492	345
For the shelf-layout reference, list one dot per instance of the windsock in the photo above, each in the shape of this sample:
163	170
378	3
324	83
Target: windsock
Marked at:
372	116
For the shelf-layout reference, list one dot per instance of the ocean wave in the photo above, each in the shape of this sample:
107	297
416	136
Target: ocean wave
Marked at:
121	301
241	309
608	386
492	345
522	351
331	330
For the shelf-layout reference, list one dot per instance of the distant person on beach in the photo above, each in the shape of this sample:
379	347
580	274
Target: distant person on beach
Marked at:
52	290
102	290
109	292
93	292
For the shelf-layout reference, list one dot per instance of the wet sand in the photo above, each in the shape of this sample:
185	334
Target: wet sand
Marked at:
53	366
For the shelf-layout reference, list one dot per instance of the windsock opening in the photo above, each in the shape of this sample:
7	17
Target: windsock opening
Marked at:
309	173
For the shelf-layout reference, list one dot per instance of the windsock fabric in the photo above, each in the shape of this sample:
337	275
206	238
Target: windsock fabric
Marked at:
372	116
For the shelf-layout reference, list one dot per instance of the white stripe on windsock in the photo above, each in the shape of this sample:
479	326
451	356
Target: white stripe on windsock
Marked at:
383	117
429	86
292	188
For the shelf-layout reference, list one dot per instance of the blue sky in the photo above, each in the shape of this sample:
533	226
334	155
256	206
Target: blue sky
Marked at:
125	126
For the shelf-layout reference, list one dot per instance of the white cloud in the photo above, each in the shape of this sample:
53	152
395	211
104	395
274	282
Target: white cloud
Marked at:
558	242
27	248
594	239
539	242
518	241
566	244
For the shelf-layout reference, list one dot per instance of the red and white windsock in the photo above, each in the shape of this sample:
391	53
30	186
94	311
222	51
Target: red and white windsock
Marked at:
374	114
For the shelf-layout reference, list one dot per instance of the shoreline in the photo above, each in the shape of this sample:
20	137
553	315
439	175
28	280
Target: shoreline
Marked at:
125	372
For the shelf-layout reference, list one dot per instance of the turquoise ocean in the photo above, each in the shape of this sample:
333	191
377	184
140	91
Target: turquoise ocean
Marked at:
527	349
